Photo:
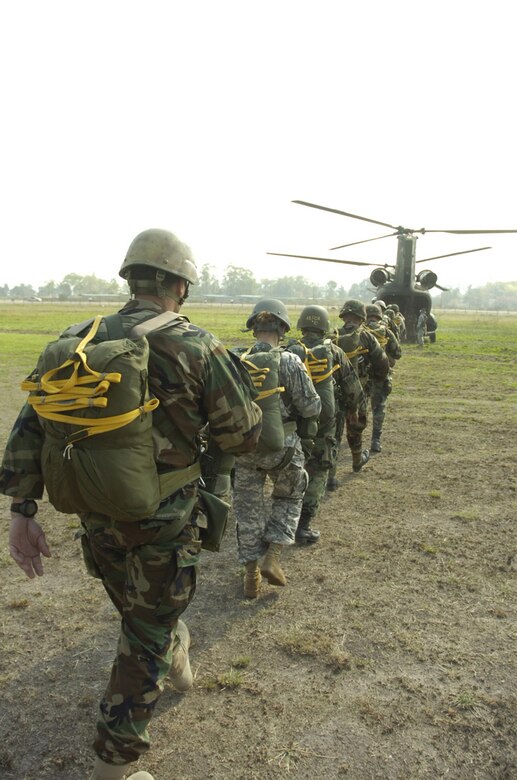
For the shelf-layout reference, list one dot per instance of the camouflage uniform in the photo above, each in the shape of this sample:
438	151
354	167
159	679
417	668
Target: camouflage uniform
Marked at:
421	327
148	567
261	522
381	388
350	401
367	359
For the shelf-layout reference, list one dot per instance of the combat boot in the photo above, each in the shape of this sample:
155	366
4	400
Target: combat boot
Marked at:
359	459
271	568
332	483
304	532
252	580
180	673
376	441
104	771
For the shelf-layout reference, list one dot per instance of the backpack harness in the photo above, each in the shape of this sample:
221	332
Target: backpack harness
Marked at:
76	379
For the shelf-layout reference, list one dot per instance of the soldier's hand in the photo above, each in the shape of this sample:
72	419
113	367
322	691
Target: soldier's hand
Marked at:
27	543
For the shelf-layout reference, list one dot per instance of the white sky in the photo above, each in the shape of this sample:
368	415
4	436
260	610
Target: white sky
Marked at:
208	118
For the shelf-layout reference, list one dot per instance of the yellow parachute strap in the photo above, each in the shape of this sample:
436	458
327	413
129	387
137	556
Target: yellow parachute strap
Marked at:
381	339
55	387
355	352
67	395
94	426
258	377
317	367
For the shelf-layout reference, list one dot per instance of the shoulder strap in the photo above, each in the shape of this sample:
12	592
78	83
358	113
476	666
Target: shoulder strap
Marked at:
155	323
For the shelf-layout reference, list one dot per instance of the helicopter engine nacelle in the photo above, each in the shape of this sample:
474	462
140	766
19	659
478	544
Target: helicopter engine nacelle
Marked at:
427	279
379	276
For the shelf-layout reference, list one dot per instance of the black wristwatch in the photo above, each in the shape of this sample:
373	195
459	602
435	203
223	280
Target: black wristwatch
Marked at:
27	508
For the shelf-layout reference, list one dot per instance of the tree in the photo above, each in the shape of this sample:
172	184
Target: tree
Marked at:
22	291
208	282
361	291
239	281
48	290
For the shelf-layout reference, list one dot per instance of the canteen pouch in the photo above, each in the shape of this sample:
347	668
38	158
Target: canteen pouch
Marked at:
216	512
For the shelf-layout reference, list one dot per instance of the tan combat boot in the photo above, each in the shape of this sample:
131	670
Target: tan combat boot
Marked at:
104	771
252	580
181	673
271	568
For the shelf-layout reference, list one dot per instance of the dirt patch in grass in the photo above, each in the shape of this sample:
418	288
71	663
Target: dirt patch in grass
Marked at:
390	654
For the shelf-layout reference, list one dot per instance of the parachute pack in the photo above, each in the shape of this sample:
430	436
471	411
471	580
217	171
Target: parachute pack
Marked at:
319	362
92	397
379	331
264	369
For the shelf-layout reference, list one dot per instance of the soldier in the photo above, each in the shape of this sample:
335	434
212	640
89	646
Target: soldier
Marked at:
381	388
290	408
148	566
368	360
421	327
400	320
332	375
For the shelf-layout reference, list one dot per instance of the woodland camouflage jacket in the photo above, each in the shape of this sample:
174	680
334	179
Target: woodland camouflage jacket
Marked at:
349	390
196	381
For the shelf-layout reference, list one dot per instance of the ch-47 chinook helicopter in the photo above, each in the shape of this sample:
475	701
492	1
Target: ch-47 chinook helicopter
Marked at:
399	283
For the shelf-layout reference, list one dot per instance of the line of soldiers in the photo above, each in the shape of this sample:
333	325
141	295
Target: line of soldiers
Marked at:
310	390
204	395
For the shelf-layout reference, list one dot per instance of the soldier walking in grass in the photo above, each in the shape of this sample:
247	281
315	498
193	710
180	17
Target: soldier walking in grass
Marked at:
147	564
368	359
381	388
290	409
340	391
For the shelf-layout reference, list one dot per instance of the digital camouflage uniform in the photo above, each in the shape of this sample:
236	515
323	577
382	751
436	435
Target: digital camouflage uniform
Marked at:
421	327
261	521
349	400
148	567
381	388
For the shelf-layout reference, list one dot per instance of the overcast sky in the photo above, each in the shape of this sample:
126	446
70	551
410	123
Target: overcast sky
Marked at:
208	119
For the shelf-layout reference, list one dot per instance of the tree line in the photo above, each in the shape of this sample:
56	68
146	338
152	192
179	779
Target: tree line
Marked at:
238	281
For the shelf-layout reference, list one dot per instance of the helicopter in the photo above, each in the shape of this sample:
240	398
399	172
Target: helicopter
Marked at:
399	283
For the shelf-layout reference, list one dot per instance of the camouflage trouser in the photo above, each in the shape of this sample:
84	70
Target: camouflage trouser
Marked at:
379	397
148	570
260	520
354	434
322	459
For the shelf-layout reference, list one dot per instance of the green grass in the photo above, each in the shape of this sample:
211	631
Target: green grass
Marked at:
467	344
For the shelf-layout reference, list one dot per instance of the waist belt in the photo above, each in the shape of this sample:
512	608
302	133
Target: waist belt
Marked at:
171	481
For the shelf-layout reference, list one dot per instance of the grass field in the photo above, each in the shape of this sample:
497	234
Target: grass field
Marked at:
389	655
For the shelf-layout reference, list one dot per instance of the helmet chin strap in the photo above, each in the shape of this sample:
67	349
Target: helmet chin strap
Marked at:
164	292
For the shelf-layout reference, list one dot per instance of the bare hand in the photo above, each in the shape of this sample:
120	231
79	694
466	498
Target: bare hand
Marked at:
27	543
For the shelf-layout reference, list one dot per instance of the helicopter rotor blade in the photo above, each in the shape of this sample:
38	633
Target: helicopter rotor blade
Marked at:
388	235
344	213
469	232
452	254
326	259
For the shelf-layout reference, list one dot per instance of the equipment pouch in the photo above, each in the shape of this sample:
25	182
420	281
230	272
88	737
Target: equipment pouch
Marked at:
216	512
89	562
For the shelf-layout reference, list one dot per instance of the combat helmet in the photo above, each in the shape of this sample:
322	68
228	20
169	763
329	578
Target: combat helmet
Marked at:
162	251
315	318
374	310
395	307
381	304
271	306
353	307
